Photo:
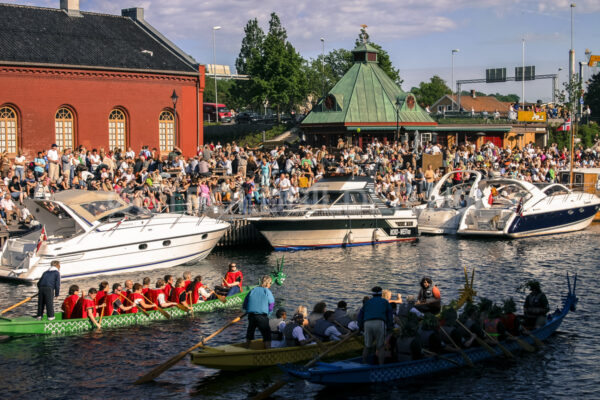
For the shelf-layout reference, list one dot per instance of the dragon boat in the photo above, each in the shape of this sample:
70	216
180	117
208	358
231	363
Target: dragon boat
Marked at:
236	357
353	371
32	326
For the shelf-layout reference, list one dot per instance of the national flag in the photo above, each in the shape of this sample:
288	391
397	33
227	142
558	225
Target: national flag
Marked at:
41	240
566	126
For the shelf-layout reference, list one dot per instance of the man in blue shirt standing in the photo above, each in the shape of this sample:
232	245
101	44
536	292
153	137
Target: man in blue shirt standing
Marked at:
374	319
49	287
258	304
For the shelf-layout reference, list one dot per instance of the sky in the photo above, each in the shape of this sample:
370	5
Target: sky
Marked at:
419	35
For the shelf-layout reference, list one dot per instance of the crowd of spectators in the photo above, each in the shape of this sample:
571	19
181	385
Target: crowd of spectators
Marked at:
257	179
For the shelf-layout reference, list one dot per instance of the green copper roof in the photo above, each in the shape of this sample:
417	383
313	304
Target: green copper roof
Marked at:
365	47
366	95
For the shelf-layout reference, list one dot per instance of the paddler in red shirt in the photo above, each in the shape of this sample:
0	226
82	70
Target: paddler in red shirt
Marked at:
114	301
86	307
128	289
102	291
137	300
157	296
233	280
69	303
169	285
146	286
178	294
187	279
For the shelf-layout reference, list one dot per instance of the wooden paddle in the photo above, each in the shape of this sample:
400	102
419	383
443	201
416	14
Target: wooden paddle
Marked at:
536	340
431	353
506	352
182	307
174	360
526	346
313	337
462	353
18	304
101	315
481	342
131	302
160	310
278	385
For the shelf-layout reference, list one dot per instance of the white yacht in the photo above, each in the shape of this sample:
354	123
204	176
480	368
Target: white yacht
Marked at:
514	208
445	208
340	211
93	233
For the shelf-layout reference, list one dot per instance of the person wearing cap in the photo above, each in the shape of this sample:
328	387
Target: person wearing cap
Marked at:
374	319
48	287
293	334
53	160
277	326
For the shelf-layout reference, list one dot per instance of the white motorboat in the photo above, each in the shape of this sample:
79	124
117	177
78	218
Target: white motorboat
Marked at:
338	211
445	208
514	208
93	233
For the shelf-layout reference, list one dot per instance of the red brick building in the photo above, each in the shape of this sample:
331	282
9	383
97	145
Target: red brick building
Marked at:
79	78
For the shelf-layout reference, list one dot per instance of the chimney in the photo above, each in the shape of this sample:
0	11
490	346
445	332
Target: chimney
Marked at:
473	95
136	13
71	7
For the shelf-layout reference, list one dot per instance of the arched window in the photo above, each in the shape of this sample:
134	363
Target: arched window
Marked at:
166	131
117	130
63	128
8	130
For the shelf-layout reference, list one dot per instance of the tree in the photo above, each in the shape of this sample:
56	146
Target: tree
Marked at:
250	52
592	96
429	92
568	96
328	73
383	58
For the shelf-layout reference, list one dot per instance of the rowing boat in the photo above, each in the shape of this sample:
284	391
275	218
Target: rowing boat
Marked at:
234	357
32	326
352	371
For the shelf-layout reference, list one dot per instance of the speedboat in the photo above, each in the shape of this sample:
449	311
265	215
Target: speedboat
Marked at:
94	232
340	211
513	208
443	211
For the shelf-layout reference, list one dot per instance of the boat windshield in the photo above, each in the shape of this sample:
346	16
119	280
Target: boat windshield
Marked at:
53	208
131	212
98	207
336	197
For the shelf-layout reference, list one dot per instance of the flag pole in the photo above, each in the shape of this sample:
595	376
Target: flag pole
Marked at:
573	125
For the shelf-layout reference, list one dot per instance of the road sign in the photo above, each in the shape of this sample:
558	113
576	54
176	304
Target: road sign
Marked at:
581	100
529	73
495	75
530	116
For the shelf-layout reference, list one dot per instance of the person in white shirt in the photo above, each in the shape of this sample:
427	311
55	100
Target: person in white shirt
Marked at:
284	188
53	167
94	159
130	153
9	207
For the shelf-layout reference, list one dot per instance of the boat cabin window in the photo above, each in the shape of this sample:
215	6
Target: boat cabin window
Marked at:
100	207
320	198
355	199
554	190
132	212
53	208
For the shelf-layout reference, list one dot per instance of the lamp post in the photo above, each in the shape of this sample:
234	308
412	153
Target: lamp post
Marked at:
454	51
174	99
397	119
323	64
523	78
215	28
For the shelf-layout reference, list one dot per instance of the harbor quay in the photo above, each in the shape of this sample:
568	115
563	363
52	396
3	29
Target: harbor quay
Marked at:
327	214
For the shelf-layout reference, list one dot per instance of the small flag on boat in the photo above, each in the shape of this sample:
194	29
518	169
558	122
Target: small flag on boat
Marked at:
42	239
119	223
566	126
520	207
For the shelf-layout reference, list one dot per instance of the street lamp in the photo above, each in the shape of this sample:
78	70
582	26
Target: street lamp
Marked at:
398	104
454	51
174	99
572	51
323	64
523	79
215	28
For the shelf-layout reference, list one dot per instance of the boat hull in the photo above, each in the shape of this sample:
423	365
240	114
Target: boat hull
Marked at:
31	326
439	221
236	357
313	233
157	251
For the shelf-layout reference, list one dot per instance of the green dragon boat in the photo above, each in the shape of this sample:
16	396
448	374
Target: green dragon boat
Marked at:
20	326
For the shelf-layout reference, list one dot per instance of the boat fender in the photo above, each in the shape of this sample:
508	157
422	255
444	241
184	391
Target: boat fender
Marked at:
375	236
436	292
350	238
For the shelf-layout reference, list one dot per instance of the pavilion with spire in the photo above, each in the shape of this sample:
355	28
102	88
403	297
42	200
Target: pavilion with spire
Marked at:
366	104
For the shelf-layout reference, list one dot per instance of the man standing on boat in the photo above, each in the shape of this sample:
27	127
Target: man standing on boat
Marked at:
49	287
536	306
374	319
258	304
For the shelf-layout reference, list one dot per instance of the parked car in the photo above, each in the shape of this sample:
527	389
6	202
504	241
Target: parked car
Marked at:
247	117
210	112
